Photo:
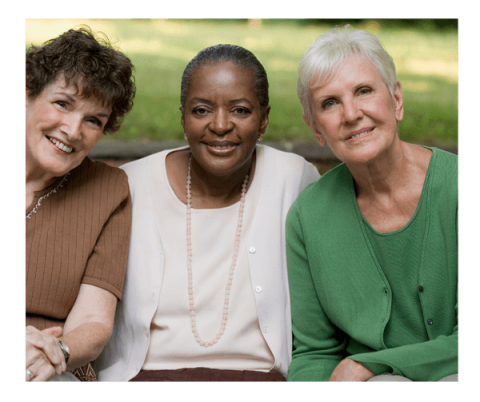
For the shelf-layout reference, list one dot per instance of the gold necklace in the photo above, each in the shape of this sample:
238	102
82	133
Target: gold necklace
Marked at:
39	202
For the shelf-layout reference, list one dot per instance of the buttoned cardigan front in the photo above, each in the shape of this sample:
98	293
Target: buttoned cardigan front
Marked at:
341	299
284	176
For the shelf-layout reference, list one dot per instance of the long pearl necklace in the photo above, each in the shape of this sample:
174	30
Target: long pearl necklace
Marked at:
189	262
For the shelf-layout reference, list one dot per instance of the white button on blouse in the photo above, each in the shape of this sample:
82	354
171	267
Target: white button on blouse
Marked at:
252	249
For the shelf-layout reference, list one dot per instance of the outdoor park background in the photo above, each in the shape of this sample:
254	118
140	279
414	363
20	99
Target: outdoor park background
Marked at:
425	53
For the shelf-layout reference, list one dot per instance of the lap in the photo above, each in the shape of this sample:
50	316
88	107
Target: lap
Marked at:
207	374
399	378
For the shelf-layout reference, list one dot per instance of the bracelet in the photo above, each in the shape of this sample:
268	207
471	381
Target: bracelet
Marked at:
65	350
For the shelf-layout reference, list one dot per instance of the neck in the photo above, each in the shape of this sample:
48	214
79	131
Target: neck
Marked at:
37	179
216	191
385	173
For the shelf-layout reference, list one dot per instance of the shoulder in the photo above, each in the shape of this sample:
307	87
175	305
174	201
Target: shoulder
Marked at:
332	185
95	172
152	164
100	181
324	196
444	170
147	174
325	202
444	175
445	160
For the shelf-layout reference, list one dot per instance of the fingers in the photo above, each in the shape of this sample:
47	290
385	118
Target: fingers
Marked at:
28	375
37	344
55	355
41	369
36	358
54	331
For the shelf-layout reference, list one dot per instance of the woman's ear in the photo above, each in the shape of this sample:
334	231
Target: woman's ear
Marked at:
398	96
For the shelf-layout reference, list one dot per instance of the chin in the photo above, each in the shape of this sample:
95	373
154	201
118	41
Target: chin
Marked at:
57	169
226	166
363	155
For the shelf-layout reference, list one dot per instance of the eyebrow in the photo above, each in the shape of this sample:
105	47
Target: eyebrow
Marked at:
231	101
71	99
367	83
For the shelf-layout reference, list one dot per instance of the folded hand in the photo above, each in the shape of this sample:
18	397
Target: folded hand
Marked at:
44	357
350	370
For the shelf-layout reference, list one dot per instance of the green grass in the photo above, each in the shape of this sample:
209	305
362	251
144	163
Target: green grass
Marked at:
426	61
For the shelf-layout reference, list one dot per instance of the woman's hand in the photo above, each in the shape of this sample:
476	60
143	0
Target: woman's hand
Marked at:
350	370
44	357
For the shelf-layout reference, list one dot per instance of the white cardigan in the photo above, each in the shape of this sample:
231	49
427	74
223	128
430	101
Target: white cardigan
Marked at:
284	176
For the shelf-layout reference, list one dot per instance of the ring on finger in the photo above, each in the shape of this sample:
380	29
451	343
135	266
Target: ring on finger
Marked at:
29	373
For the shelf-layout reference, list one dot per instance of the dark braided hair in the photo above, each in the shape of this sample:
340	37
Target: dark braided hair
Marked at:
222	54
90	64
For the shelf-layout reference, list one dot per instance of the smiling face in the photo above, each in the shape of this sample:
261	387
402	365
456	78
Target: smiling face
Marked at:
222	117
61	129
354	112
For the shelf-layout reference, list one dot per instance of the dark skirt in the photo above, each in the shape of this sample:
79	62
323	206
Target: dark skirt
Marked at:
207	374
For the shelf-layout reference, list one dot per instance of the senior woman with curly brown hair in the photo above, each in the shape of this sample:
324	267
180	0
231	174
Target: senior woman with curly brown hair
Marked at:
78	211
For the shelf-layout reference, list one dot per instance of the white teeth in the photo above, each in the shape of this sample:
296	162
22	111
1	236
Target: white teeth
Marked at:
358	135
62	146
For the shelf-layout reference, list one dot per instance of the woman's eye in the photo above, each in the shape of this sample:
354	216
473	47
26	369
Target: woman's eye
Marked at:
328	104
241	110
200	111
364	91
63	105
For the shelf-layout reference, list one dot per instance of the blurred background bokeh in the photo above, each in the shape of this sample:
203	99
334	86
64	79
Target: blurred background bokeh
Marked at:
425	53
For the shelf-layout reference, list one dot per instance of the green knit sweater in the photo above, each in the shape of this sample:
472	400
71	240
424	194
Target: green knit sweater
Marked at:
346	304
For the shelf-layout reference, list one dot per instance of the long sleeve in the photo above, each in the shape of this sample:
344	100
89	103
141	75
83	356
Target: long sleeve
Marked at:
425	361
317	344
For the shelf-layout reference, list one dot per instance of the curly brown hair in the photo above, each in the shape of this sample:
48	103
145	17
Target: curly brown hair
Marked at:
88	62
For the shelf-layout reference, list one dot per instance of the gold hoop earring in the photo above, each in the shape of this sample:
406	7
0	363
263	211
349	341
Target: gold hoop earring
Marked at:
185	136
260	138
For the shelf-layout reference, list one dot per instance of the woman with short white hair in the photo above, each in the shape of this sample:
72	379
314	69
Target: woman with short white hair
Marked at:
372	245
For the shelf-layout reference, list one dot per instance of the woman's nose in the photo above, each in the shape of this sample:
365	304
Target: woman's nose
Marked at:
351	111
72	127
221	123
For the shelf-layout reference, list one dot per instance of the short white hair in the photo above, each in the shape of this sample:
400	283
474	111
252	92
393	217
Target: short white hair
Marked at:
330	50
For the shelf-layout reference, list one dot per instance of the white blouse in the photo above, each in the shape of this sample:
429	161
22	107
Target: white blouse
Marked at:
172	343
284	176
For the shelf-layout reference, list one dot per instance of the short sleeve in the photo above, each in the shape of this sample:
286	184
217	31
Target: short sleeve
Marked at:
106	265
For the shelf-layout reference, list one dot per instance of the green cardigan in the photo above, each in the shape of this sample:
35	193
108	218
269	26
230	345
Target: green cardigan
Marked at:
341	299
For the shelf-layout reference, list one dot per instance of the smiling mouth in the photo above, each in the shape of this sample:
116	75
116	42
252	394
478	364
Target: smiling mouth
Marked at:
361	134
60	145
220	148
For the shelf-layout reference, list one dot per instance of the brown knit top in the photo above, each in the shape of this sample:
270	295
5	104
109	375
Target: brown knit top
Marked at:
80	234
